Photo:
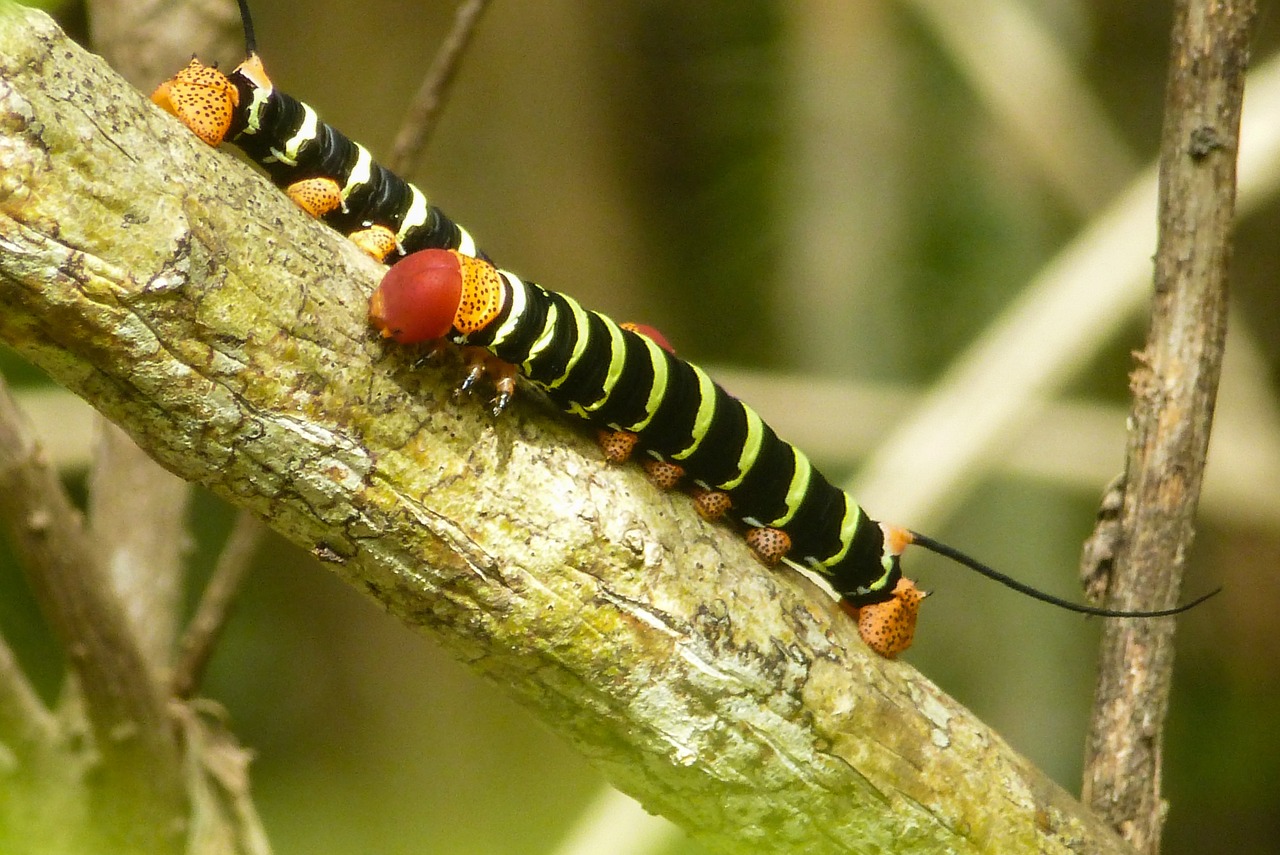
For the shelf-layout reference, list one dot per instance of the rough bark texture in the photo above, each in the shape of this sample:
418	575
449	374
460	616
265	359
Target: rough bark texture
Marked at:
190	303
1174	386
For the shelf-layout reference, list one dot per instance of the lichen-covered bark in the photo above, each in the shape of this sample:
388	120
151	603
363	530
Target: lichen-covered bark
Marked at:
187	300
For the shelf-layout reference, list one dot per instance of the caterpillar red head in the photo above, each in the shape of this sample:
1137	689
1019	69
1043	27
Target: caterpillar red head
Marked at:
429	293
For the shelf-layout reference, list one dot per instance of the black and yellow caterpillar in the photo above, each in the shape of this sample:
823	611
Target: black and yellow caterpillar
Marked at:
327	174
627	383
648	399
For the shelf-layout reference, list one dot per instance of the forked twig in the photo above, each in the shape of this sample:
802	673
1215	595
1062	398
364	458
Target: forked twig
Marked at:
68	581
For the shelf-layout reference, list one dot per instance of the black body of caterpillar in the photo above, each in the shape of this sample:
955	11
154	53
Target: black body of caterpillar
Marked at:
620	380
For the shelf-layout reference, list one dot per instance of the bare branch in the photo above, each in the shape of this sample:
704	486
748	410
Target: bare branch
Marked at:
215	604
224	819
227	333
138	522
1174	389
142	801
423	114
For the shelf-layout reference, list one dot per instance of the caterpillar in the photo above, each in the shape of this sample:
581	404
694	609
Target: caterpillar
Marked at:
647	399
324	172
621	378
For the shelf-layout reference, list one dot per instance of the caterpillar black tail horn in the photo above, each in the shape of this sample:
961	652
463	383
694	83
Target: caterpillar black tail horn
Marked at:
1023	588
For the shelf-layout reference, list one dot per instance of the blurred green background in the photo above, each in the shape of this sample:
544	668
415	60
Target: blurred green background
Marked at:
817	192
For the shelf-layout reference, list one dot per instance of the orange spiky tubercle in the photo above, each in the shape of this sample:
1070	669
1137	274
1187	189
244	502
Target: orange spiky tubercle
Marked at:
711	504
617	445
317	196
888	627
769	544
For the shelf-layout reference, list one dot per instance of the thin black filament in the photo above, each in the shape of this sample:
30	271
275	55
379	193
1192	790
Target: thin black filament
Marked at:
1023	588
250	40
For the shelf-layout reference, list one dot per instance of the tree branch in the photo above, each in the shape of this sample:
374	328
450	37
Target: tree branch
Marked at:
24	720
140	802
138	523
1174	387
219	595
195	307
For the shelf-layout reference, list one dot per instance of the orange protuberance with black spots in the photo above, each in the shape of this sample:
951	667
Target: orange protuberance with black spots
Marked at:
888	628
316	196
711	504
770	545
664	473
376	241
617	445
202	98
481	293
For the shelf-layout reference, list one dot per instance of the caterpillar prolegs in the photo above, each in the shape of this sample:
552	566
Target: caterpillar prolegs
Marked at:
625	381
648	399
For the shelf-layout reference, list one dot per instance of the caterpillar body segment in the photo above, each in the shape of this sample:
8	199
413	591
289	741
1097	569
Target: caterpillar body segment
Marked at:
326	174
645	399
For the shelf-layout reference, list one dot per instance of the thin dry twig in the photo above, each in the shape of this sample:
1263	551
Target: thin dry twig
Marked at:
215	605
424	112
1174	386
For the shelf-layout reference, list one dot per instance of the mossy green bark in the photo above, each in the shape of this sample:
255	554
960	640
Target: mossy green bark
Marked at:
186	299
